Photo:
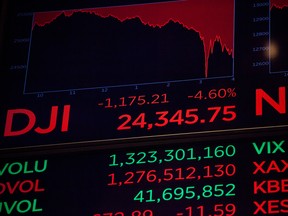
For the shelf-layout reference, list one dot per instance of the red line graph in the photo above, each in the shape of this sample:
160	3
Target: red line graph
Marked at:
278	3
213	20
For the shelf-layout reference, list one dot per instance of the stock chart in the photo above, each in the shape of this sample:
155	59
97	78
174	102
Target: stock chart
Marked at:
154	108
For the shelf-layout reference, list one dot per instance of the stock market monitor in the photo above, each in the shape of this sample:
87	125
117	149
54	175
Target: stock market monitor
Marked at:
147	108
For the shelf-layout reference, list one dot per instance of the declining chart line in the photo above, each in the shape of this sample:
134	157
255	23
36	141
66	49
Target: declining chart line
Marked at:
278	47
214	31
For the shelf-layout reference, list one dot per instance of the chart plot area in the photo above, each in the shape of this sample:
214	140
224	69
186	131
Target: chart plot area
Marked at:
278	36
130	45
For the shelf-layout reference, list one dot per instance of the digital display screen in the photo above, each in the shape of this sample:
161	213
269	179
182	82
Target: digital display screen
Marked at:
147	108
151	69
178	178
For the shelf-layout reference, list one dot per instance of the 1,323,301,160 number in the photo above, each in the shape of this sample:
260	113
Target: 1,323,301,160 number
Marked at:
180	117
